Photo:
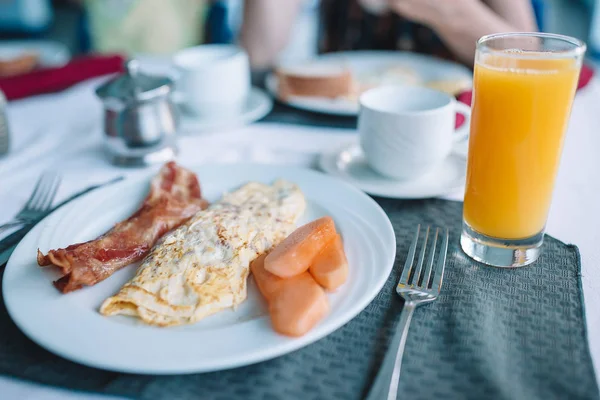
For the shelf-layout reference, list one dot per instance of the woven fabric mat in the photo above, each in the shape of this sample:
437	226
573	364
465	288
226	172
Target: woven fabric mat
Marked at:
493	334
285	114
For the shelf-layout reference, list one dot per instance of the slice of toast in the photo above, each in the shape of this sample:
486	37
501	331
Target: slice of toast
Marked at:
314	80
21	64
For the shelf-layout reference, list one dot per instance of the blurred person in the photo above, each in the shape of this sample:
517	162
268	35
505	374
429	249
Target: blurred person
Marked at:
25	16
446	28
145	26
594	39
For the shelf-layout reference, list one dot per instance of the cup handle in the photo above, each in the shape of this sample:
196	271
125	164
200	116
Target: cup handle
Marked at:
462	133
177	97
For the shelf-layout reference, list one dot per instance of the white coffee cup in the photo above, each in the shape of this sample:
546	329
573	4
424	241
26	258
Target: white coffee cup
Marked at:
407	131
213	81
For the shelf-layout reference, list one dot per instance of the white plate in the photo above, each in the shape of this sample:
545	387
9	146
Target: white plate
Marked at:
70	325
257	106
51	54
361	62
350	165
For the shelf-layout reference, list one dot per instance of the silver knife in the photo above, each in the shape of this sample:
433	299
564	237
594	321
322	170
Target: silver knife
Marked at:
4	138
9	243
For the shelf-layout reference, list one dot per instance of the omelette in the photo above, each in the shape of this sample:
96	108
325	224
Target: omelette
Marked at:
201	267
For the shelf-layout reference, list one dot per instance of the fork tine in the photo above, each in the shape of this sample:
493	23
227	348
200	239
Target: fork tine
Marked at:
410	258
419	269
50	194
35	192
45	189
441	264
429	264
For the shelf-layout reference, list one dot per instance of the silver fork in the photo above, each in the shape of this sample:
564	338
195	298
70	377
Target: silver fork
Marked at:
416	286
38	203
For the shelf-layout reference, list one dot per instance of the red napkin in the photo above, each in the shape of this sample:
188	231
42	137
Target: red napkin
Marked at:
460	120
585	76
47	80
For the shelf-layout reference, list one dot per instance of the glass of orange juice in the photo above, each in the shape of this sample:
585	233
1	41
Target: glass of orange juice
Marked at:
523	89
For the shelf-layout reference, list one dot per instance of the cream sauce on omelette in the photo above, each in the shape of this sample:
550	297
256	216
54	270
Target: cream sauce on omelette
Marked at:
201	267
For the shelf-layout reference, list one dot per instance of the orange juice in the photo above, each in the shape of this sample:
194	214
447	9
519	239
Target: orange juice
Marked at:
520	113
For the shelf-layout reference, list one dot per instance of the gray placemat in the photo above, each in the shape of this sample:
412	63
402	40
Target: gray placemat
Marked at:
285	114
493	334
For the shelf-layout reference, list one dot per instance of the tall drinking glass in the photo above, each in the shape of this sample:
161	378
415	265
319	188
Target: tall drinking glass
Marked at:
524	85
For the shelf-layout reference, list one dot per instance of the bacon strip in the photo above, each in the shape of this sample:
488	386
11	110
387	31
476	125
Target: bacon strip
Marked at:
174	197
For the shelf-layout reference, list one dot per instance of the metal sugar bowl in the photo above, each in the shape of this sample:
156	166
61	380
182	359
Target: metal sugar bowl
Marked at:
140	119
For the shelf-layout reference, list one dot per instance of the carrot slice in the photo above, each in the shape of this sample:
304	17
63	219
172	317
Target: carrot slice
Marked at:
330	267
298	305
295	254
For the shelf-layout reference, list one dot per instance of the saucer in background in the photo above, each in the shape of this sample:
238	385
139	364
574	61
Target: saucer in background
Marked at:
350	165
258	105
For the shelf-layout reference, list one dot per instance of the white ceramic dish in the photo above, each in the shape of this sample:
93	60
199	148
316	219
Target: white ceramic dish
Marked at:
70	325
51	54
427	68
407	131
214	79
350	165
258	104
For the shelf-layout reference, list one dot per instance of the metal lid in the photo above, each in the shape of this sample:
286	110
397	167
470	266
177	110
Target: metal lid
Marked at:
134	86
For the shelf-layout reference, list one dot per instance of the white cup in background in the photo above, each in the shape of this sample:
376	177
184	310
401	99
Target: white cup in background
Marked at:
213	81
407	131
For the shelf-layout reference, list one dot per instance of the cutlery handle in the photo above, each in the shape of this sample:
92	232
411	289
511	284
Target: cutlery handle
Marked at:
385	386
5	255
9	225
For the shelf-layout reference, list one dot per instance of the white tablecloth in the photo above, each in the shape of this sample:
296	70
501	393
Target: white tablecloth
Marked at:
62	132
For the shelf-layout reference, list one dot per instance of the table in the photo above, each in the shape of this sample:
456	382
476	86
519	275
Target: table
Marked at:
62	132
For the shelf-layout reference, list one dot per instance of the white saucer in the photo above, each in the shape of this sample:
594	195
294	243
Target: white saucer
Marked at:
257	106
350	165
